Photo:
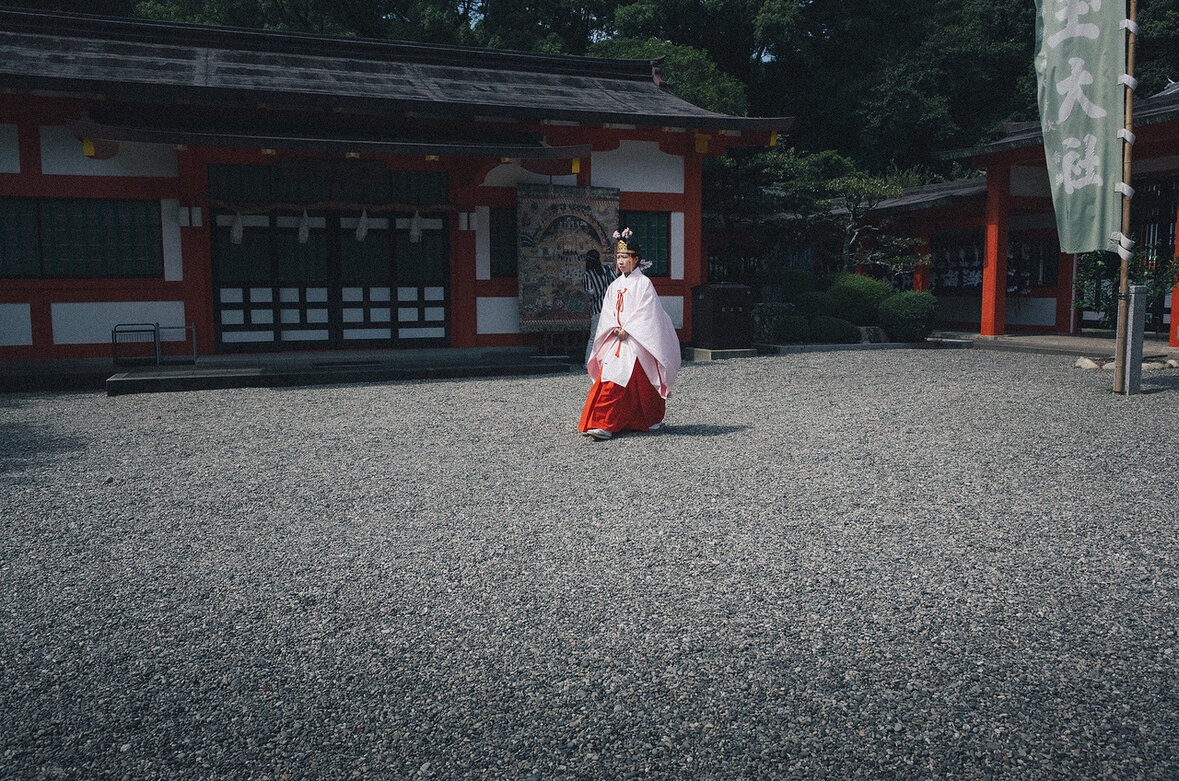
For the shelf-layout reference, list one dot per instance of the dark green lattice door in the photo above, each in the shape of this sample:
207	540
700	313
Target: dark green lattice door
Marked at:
329	277
323	283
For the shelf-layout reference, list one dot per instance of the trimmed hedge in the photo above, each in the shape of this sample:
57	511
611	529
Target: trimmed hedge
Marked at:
857	298
833	330
765	316
791	329
908	316
814	303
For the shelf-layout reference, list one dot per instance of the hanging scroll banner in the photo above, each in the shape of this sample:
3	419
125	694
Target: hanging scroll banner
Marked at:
562	228
1080	57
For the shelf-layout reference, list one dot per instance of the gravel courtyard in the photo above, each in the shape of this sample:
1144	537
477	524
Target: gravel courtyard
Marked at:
951	564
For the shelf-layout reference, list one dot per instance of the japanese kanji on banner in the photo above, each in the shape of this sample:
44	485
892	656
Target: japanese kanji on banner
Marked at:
1080	59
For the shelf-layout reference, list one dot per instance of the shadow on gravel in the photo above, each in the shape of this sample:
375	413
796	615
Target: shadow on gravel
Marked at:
702	430
1158	383
22	445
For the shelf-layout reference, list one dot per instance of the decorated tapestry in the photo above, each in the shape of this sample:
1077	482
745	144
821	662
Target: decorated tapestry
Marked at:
561	229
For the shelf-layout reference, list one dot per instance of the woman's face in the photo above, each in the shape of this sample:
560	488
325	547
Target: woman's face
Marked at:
625	262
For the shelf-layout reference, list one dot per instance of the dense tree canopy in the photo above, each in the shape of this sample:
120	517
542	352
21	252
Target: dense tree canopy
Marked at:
885	83
926	76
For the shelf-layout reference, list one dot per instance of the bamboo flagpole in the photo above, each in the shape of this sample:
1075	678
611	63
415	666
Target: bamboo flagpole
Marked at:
1122	340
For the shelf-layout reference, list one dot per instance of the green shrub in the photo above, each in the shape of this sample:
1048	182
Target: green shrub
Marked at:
908	316
833	330
857	298
790	329
814	303
765	316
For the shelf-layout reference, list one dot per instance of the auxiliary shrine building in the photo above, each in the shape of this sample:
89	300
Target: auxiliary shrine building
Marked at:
262	191
996	265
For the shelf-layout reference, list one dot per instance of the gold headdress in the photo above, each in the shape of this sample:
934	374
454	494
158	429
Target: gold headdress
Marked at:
622	239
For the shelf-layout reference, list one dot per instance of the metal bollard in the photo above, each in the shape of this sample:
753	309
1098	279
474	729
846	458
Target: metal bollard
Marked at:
1135	325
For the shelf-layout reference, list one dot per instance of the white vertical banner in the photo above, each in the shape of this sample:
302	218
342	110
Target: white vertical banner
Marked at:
1080	63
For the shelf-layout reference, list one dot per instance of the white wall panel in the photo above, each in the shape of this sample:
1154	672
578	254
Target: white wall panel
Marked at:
1030	311
91	322
61	153
497	315
482	242
9	150
674	306
676	261
1030	182
170	227
512	174
639	166
16	325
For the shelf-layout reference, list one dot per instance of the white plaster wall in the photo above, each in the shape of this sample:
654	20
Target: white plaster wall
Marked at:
1030	311
1019	310
512	174
61	153
482	242
676	261
170	227
639	166
497	315
16	325
674	306
91	322
1030	182
9	150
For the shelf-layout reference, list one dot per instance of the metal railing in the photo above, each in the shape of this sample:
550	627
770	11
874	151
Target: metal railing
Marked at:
151	350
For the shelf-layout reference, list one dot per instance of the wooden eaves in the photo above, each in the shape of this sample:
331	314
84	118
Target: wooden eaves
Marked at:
140	63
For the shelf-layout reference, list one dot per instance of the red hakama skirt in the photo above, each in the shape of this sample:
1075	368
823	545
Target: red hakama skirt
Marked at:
634	407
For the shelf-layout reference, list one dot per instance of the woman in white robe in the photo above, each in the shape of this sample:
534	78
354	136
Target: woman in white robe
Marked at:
635	355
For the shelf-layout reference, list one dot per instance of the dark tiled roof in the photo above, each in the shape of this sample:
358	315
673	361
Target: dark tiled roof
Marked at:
1158	108
164	63
930	196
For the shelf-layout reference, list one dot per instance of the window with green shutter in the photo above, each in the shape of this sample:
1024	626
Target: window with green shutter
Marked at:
652	232
79	238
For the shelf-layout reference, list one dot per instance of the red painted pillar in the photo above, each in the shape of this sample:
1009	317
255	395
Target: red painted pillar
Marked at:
921	277
196	246
464	301
1175	292
921	272
994	283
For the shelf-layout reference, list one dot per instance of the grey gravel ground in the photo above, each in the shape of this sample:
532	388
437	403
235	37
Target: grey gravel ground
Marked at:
904	564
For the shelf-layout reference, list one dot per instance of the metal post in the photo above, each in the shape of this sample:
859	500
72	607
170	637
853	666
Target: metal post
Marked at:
1136	325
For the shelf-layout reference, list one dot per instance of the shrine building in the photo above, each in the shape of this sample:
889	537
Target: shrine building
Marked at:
265	191
996	265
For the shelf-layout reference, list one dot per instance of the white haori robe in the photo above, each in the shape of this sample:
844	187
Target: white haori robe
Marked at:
632	304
